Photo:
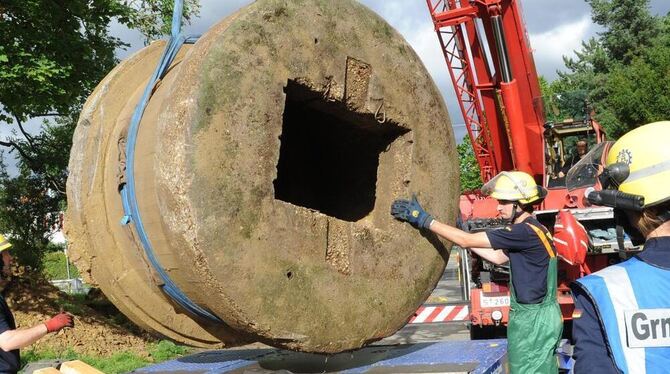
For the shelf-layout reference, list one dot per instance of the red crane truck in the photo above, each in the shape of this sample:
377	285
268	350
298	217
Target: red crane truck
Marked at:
490	61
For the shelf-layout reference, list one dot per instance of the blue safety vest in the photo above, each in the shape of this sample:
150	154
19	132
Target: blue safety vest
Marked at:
633	303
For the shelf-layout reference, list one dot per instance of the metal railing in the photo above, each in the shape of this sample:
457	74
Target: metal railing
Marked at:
71	286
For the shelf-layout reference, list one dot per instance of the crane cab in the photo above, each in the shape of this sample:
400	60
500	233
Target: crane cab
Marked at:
566	143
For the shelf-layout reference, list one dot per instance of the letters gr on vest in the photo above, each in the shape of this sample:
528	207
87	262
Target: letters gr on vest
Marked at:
648	328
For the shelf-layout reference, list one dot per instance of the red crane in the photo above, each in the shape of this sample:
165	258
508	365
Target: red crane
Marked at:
487	51
491	65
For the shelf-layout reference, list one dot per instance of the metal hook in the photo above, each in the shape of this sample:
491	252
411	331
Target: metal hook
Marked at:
383	113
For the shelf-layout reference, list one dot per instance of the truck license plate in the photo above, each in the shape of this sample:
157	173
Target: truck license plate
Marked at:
491	302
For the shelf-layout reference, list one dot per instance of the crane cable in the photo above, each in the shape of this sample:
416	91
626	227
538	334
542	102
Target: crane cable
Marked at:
130	208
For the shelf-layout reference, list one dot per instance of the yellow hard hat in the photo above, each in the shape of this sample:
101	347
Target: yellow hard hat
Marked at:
646	152
4	243
514	186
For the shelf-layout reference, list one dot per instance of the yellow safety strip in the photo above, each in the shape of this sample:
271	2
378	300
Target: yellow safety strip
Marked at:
649	171
544	239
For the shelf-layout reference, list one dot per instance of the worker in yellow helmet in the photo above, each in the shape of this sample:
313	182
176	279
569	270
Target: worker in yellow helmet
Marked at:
535	322
622	322
11	338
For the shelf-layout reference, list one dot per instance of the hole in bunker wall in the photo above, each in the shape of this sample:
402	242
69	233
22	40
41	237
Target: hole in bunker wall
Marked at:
329	155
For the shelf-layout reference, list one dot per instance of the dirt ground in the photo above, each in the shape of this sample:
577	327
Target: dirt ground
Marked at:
99	330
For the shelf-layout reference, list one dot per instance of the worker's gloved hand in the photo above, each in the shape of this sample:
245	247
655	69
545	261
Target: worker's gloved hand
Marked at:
59	321
412	212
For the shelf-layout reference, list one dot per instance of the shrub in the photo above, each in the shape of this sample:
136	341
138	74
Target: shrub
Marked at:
54	266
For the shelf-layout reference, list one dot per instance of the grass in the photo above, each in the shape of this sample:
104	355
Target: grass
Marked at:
121	362
73	305
54	267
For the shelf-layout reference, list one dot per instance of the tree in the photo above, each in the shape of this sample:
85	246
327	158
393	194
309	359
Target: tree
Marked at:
153	18
629	27
470	176
637	93
561	103
47	73
30	202
52	55
624	70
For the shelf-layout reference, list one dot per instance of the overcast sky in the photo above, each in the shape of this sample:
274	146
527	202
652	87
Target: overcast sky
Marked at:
555	28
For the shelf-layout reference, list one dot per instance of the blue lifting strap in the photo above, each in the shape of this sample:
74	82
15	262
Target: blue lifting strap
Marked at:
130	208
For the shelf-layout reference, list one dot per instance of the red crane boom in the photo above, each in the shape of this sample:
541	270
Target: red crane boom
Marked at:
486	48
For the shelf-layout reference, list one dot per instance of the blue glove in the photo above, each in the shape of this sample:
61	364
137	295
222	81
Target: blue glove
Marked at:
412	212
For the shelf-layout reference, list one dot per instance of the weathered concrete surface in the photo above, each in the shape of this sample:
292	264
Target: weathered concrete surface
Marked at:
107	253
267	161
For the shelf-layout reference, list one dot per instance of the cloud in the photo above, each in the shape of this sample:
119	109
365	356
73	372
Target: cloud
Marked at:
659	7
551	36
550	46
412	20
404	15
542	16
425	43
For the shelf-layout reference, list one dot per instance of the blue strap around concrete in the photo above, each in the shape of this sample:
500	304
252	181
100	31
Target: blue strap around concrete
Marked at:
477	357
129	198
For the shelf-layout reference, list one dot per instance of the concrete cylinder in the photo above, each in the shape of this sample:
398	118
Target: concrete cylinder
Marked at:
266	164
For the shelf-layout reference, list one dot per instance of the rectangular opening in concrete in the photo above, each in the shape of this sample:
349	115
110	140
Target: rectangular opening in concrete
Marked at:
329	155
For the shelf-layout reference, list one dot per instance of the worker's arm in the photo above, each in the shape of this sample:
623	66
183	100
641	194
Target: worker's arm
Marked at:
476	242
495	256
412	212
460	237
19	338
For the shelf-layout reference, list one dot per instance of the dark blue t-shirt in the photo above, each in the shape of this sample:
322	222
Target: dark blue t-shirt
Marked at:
528	259
9	361
590	353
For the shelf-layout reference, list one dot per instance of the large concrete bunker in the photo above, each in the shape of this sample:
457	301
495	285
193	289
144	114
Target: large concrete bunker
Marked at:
266	163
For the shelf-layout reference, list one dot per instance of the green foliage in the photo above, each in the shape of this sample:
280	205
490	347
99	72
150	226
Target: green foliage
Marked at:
637	93
45	70
153	18
561	105
629	27
28	214
50	64
54	266
625	71
52	55
28	356
122	362
470	176
31	202
167	350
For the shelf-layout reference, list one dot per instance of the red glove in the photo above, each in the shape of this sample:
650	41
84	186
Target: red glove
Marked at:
59	321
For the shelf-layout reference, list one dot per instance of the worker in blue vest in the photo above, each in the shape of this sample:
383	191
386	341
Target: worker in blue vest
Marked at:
622	313
535	322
